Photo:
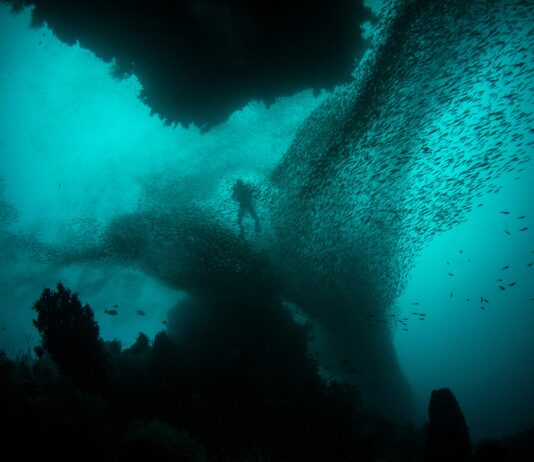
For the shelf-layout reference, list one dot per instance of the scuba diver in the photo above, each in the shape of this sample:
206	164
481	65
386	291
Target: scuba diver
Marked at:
244	195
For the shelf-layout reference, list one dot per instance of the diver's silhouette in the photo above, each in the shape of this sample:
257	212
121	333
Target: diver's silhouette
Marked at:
244	195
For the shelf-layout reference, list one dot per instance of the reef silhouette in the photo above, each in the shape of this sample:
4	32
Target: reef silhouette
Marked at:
230	376
216	386
199	61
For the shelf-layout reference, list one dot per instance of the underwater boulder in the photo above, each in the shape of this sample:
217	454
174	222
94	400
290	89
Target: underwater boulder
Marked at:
448	437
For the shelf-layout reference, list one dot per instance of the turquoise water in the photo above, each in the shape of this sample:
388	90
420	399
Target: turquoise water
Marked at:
79	149
73	166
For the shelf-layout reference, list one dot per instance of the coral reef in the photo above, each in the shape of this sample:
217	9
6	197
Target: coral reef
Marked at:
217	386
200	61
70	335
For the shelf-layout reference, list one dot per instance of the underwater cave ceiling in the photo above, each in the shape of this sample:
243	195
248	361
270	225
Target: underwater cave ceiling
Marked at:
200	60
